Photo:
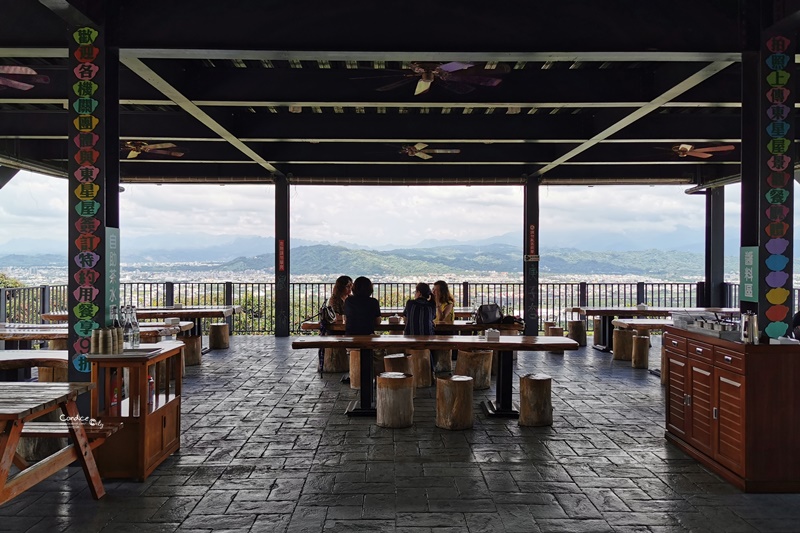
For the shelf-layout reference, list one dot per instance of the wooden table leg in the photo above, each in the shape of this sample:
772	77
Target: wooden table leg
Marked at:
503	407
85	456
8	444
365	408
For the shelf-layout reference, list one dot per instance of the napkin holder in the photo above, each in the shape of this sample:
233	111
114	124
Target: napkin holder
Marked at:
492	334
172	321
394	319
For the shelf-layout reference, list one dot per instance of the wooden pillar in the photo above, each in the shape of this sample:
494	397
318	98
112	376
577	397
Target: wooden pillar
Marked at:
530	265
355	368
623	344
577	331
395	400
282	216
478	365
640	352
535	403
454	402
421	368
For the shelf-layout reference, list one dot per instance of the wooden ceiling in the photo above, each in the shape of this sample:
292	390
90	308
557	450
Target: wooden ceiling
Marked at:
589	92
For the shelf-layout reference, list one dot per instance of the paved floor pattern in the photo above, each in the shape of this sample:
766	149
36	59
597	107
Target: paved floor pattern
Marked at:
266	447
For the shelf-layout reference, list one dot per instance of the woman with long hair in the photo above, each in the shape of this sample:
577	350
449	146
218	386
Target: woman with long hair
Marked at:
445	304
341	290
420	312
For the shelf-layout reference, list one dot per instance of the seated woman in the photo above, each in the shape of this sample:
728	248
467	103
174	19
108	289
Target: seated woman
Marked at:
445	304
341	290
362	312
420	312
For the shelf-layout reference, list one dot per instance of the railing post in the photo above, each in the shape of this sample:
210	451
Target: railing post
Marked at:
229	301
700	296
640	292
169	293
725	298
44	300
3	315
465	294
583	294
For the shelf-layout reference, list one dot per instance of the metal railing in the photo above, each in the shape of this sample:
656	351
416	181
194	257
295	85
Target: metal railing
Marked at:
556	300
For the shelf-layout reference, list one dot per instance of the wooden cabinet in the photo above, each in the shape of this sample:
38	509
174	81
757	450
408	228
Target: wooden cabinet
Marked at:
735	408
142	389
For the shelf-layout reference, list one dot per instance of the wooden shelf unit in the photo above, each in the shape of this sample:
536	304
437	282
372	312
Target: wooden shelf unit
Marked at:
151	419
734	407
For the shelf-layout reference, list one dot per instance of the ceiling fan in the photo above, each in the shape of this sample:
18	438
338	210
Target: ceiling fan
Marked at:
684	150
456	77
136	148
21	78
422	151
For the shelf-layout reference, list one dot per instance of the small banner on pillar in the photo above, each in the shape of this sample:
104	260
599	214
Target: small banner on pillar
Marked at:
748	274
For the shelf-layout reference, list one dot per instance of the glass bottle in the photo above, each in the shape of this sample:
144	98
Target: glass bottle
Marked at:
127	328
135	324
114	329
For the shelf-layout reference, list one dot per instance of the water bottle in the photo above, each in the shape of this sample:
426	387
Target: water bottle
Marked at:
136	336
127	328
116	329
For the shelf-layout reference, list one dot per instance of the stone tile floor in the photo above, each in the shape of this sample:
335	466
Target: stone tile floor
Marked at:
266	447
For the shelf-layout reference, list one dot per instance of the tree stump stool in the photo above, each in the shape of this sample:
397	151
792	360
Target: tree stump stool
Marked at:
454	402
597	328
355	369
442	360
395	400
546	325
400	362
476	364
623	344
577	331
421	368
336	360
535	402
640	351
218	336
192	351
556	331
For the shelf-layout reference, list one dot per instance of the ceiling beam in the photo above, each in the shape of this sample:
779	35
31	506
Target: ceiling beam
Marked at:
690	82
147	74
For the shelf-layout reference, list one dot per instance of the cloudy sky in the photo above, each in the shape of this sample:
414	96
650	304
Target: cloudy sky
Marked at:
35	207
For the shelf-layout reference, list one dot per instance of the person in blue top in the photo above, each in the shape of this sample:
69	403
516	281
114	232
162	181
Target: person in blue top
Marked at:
420	312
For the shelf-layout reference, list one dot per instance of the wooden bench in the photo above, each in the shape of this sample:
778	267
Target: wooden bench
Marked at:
96	434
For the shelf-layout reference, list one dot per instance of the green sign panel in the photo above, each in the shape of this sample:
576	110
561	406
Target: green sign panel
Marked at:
112	271
748	274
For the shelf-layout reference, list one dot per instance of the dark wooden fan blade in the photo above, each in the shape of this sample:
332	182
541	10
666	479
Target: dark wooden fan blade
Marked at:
422	155
723	148
486	81
701	155
454	66
456	87
15	84
157	146
165	152
13	69
396	84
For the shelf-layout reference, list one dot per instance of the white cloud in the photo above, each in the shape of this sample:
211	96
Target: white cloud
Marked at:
35	207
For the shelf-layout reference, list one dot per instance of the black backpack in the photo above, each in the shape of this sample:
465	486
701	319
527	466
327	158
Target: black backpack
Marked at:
488	314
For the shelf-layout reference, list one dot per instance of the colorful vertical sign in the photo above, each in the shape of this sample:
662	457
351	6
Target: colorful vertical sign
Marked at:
748	274
776	203
87	215
112	271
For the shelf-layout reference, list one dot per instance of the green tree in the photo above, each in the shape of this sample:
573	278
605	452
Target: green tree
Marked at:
7	281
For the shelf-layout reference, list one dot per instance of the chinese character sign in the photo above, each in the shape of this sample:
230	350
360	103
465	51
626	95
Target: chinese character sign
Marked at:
748	274
766	272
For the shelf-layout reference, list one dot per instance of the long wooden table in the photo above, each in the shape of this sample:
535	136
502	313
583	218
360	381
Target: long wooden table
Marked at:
501	407
458	326
16	359
23	402
459	312
643	326
604	338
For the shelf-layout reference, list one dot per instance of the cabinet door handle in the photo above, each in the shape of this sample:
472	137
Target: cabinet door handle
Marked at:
687	399
728	359
674	343
698	350
715	413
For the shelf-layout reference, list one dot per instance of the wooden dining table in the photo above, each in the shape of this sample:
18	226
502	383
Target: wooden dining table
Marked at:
604	337
458	326
22	402
502	407
459	312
